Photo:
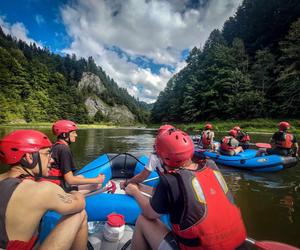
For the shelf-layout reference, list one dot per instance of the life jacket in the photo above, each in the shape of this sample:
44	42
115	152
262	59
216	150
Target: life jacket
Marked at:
226	144
287	141
206	139
243	137
55	175
209	219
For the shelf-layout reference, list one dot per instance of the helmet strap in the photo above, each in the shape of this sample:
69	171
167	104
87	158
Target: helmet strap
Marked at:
36	160
26	164
65	137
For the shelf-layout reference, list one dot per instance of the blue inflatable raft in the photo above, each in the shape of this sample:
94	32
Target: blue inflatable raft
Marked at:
247	161
98	206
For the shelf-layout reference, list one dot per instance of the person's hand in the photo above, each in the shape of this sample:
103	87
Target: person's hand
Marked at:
101	178
132	189
123	184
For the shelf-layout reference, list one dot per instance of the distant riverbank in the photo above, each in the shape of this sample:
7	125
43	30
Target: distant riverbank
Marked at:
252	126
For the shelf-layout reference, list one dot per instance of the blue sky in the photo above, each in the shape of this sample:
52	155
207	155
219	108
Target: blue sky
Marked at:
139	43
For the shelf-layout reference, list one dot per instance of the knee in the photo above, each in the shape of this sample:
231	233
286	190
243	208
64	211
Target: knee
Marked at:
140	221
83	215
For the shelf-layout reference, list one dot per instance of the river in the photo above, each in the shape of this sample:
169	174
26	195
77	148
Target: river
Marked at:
269	202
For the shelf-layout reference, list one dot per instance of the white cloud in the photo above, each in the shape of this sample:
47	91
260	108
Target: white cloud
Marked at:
158	30
39	19
17	30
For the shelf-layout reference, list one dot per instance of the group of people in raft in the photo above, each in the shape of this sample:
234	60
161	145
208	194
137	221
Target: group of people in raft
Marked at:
284	143
192	191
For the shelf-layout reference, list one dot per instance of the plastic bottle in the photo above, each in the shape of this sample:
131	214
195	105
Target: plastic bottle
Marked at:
114	227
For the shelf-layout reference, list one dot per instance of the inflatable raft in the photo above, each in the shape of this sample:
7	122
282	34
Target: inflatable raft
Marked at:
98	206
246	160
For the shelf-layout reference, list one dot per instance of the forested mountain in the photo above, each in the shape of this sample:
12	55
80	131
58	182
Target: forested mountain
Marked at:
37	85
250	69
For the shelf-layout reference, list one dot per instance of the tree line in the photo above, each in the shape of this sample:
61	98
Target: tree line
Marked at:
40	86
250	69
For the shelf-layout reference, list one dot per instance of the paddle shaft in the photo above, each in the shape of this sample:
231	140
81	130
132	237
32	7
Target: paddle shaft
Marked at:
151	179
270	245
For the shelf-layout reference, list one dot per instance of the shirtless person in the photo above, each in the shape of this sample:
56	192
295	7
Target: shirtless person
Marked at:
24	200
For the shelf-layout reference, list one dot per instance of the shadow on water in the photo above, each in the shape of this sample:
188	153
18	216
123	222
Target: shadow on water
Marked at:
269	202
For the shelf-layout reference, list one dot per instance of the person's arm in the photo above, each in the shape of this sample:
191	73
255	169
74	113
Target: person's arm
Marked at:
296	146
212	141
139	178
53	197
142	200
79	180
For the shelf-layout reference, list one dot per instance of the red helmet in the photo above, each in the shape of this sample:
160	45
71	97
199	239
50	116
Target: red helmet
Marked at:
284	126
233	132
63	126
164	128
237	128
208	126
14	145
174	147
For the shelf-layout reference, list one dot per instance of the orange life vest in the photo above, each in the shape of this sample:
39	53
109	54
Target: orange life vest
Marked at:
206	139
226	144
287	142
209	219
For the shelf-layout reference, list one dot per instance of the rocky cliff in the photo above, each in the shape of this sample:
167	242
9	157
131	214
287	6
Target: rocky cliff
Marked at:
92	87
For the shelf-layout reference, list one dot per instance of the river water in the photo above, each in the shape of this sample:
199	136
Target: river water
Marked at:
269	202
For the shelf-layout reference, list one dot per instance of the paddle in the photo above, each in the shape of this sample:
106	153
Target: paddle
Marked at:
151	179
110	186
271	245
261	145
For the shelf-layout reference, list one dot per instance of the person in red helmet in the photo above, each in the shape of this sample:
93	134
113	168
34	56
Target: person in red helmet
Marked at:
63	165
230	145
242	137
154	163
22	197
284	143
196	198
207	137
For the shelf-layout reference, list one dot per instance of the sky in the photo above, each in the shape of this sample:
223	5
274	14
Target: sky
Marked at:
141	44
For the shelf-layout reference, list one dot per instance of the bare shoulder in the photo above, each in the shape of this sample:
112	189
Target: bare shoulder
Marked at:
41	188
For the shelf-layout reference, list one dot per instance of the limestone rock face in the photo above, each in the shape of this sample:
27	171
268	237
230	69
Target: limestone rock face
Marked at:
92	83
92	87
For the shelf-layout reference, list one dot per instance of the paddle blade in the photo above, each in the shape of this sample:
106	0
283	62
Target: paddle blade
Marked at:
263	145
273	245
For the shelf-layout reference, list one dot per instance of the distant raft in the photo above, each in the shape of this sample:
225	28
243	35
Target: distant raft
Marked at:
247	161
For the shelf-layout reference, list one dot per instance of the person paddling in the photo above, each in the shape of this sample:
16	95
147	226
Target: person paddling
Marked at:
24	199
196	197
63	164
230	145
154	163
242	137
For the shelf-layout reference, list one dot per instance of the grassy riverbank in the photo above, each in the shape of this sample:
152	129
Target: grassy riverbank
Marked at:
37	125
253	125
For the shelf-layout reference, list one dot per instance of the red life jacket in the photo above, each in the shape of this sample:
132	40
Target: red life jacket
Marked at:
287	141
226	144
243	137
55	175
206	139
209	219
